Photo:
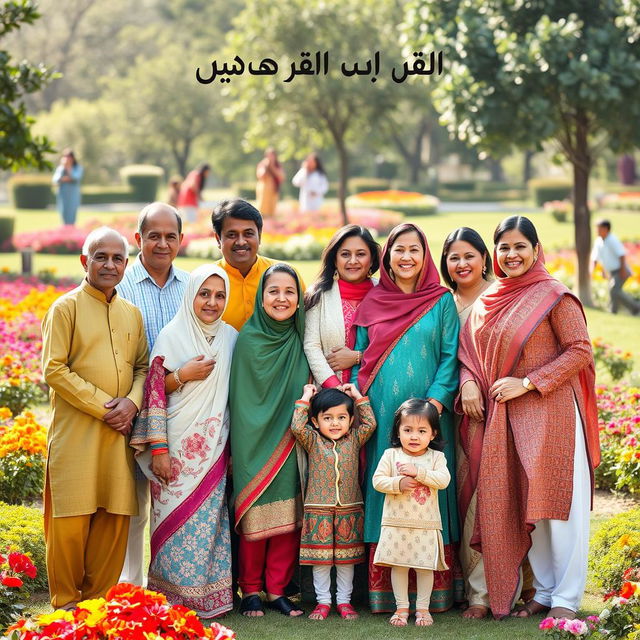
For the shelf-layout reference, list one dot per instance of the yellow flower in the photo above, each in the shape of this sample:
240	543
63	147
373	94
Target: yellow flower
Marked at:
624	541
59	614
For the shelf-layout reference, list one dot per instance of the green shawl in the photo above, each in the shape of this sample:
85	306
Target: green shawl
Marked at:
268	372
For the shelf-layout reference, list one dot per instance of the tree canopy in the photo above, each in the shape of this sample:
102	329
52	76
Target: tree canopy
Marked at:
519	73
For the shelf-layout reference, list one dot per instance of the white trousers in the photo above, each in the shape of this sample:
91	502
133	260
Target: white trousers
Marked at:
559	548
322	583
132	571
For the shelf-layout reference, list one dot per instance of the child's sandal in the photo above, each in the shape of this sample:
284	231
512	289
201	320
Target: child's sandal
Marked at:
347	612
423	618
320	612
399	618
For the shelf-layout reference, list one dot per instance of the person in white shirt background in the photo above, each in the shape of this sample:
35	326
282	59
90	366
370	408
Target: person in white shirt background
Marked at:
313	183
610	253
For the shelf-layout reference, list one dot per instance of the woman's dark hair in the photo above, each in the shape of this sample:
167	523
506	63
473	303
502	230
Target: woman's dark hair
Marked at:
235	208
318	162
281	267
405	227
422	408
69	152
465	234
328	260
202	169
521	224
328	398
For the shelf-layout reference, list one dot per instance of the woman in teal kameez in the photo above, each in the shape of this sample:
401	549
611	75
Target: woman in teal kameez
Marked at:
407	331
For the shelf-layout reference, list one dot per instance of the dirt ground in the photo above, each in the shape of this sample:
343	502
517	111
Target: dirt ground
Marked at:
607	504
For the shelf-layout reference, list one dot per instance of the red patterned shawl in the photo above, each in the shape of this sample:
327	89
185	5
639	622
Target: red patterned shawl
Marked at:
490	346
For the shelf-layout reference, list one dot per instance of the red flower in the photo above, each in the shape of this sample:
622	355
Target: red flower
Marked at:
627	590
11	581
22	564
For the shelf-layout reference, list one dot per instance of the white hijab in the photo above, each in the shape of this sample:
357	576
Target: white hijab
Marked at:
197	416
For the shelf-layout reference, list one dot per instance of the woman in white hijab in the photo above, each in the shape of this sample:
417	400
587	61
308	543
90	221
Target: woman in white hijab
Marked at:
181	436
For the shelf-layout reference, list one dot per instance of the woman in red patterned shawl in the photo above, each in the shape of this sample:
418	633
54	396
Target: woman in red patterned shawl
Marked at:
527	385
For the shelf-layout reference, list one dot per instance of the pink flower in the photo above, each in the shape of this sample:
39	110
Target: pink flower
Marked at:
547	623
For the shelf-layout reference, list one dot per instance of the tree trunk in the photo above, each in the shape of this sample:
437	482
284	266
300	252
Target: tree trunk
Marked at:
581	214
343	156
495	168
527	169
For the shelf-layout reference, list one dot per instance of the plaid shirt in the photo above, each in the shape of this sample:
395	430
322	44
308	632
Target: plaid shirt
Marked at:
157	304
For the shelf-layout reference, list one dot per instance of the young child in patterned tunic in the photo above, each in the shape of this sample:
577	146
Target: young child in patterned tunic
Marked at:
410	474
332	532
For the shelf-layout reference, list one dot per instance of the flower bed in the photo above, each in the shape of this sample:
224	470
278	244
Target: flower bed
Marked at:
23	449
127	613
407	202
562	265
15	569
624	201
619	426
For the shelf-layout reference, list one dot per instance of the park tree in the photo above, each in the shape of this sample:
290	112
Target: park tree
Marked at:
18	146
316	111
163	111
521	73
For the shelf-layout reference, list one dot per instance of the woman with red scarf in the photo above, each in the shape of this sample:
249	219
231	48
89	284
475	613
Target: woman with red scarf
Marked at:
348	262
527	386
407	328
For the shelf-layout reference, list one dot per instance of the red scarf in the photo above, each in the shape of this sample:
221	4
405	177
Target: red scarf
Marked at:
355	291
388	312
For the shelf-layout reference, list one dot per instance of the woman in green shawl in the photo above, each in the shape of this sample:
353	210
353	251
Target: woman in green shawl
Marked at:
268	371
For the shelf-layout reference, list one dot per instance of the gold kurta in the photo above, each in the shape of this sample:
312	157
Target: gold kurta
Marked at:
92	351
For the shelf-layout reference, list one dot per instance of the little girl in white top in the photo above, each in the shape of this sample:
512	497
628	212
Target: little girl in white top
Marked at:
410	474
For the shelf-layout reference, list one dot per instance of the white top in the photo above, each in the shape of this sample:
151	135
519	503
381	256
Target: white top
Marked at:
608	252
313	186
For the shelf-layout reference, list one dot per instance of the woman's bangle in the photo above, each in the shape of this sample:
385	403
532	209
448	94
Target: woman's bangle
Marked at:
176	377
358	357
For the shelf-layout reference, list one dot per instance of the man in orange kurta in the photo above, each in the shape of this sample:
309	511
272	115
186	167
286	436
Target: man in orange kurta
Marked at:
94	357
237	227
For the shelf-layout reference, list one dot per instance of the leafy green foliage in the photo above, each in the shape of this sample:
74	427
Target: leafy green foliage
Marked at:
18	147
22	528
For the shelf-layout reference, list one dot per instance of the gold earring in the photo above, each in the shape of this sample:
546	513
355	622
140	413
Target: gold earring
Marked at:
335	275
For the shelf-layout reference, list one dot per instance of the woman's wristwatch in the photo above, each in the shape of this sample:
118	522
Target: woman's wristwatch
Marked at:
527	384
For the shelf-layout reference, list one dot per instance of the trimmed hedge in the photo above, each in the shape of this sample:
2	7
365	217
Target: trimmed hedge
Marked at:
360	185
30	191
6	233
22	527
546	189
143	180
245	190
458	185
615	547
96	194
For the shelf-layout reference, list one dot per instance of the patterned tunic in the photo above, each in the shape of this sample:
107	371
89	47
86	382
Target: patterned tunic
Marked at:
332	532
411	524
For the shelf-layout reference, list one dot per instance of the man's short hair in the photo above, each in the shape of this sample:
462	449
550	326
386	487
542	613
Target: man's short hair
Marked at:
152	208
98	234
235	208
604	223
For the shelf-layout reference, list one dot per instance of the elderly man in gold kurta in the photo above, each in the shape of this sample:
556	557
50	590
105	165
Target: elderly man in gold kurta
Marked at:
94	358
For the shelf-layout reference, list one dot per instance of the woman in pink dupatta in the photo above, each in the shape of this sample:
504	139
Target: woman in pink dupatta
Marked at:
528	387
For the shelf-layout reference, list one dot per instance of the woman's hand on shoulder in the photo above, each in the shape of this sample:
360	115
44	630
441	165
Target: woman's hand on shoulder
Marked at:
472	402
507	389
197	368
161	467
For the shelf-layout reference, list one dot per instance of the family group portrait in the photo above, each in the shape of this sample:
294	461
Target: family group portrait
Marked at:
319	317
